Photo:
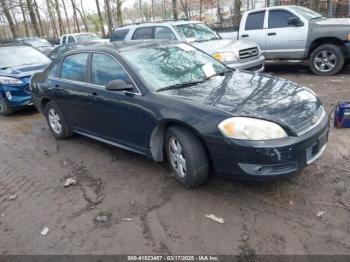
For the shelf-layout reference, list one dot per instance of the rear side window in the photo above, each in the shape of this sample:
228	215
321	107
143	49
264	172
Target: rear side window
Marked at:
255	21
73	67
119	34
162	32
143	33
279	18
64	39
105	68
71	39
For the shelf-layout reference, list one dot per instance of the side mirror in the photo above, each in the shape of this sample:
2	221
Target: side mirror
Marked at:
119	85
295	21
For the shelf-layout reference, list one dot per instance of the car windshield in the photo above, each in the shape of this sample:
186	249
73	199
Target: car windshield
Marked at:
86	37
306	13
13	56
37	42
163	67
197	31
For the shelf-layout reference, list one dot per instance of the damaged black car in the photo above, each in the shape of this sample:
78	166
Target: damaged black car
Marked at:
170	101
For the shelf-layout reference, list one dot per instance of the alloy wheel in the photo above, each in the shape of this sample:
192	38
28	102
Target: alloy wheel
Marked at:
325	61
55	121
177	158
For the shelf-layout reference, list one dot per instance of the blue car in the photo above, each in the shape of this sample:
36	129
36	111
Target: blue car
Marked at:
17	64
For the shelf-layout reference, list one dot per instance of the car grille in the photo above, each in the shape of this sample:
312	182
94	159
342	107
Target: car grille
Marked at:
311	122
248	53
27	89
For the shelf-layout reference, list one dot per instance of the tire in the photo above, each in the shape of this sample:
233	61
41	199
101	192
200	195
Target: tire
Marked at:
5	110
333	60
56	121
190	150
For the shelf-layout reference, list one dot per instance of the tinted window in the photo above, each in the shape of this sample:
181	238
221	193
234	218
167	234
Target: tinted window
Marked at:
105	68
53	70
255	21
119	35
71	39
64	40
143	33
73	67
278	19
162	32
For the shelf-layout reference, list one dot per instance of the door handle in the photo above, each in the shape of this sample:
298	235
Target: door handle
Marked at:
273	33
93	95
246	35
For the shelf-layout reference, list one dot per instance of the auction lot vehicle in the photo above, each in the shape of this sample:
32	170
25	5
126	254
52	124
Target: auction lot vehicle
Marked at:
81	38
39	43
171	101
235	54
298	33
17	64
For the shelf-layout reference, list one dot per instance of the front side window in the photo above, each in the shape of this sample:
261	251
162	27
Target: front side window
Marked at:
162	32
119	34
53	70
143	33
73	67
279	19
164	66
105	68
255	21
64	39
71	39
198	31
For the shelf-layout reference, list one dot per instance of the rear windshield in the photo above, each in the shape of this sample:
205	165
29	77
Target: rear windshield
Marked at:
119	35
13	56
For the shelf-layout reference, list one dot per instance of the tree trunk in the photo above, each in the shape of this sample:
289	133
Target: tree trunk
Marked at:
66	15
119	12
164	9
25	22
100	18
36	8
141	12
7	14
200	9
82	19
237	13
174	3
75	17
84	16
59	17
52	18
14	18
33	17
184	8
109	16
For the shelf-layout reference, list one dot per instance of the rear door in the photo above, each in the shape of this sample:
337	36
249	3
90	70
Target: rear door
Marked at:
254	28
284	40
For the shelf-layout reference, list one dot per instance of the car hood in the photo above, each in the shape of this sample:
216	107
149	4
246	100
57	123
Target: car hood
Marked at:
23	71
222	45
254	95
334	21
45	49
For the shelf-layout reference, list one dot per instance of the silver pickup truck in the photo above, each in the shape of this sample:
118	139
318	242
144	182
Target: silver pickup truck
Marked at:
235	54
298	33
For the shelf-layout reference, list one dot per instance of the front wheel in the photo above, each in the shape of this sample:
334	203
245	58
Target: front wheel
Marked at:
186	156
5	110
326	60
56	121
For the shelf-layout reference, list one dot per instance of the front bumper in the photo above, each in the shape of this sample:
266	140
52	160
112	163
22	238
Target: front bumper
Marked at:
16	97
264	160
256	65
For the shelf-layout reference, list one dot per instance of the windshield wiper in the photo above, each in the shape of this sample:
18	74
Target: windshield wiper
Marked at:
182	85
205	40
221	73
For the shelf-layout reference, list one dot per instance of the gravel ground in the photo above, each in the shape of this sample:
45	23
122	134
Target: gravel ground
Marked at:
124	203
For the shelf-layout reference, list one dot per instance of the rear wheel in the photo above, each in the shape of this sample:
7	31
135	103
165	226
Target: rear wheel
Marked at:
186	156
5	110
327	60
56	121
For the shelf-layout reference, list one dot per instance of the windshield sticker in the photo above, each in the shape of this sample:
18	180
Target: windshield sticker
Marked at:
208	70
185	47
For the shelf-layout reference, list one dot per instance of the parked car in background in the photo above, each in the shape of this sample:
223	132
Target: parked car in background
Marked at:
17	64
58	50
298	33
81	38
171	101
39	43
235	54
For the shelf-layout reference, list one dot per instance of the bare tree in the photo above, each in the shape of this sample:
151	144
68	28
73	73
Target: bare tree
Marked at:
109	16
66	15
100	18
82	16
23	11
12	9
33	17
52	18
37	11
119	12
200	9
174	3
75	17
237	13
141	12
4	7
59	17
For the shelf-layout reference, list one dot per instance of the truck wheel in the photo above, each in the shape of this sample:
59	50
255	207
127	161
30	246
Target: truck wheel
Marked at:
187	156
56	121
326	60
5	110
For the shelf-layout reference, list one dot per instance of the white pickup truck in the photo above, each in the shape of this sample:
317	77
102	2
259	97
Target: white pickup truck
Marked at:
298	33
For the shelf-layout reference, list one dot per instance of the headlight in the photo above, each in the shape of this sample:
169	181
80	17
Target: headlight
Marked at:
10	80
251	129
225	56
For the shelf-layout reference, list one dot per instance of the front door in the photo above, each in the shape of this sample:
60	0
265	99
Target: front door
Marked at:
254	30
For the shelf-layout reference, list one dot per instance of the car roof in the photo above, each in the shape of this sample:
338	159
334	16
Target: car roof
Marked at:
14	44
157	23
273	7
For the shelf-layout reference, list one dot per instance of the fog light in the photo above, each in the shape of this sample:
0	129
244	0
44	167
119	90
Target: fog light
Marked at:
8	94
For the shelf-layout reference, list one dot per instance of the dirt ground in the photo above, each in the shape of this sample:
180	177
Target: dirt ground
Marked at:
148	212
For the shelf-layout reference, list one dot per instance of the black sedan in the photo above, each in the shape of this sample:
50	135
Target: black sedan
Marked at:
171	101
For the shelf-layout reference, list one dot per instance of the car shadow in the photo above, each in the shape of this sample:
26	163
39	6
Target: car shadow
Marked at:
28	111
